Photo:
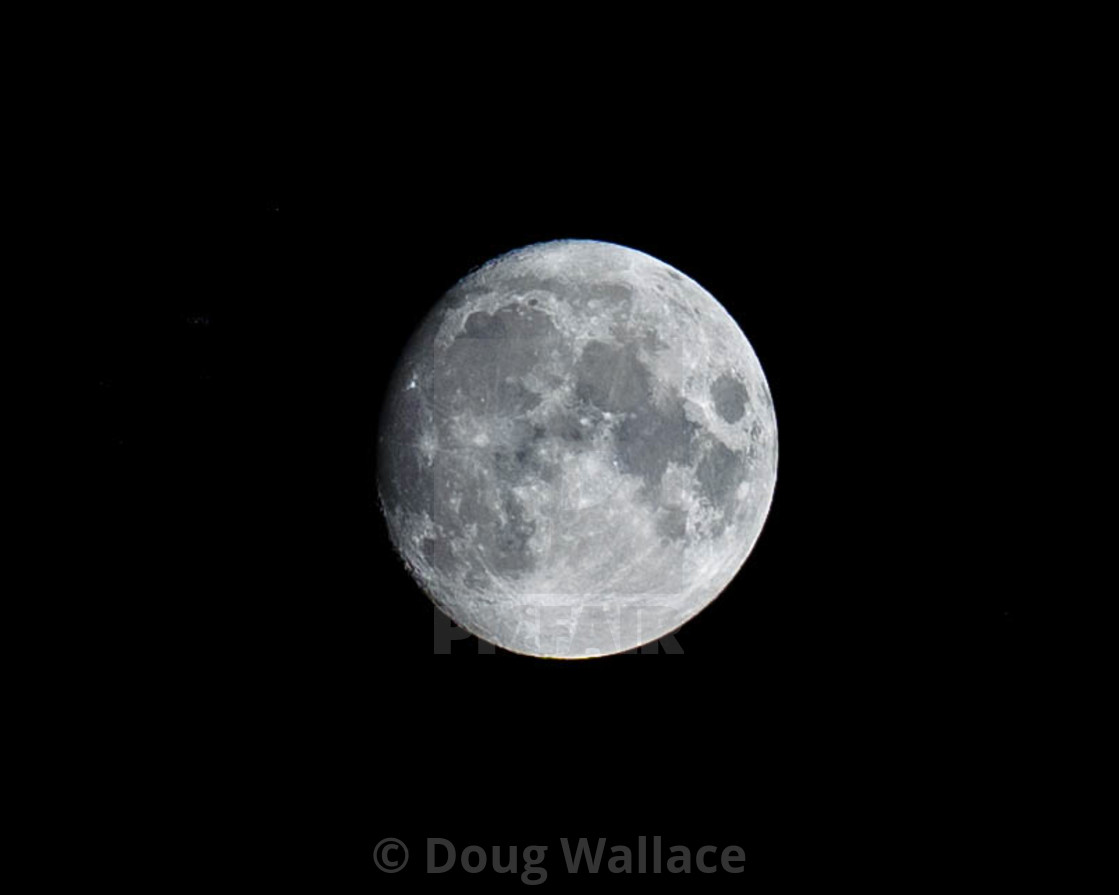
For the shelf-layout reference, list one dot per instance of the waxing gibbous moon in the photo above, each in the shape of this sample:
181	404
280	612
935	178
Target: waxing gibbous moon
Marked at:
577	450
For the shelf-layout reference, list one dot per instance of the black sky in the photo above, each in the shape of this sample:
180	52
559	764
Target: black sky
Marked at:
247	316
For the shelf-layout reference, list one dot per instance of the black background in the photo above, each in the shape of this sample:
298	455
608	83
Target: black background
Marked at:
838	705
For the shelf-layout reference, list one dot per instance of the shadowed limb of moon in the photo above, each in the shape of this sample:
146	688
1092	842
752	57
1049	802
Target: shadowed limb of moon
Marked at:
577	451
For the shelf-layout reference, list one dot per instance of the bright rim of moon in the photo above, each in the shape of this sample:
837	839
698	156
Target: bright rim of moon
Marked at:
577	450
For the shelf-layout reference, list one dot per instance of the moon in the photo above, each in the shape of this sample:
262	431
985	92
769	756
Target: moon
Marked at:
577	450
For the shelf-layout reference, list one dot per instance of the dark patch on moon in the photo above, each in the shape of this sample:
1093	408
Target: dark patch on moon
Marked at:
672	523
480	377
510	467
499	518
567	428
649	439
611	377
730	397
618	293
719	473
510	536
519	458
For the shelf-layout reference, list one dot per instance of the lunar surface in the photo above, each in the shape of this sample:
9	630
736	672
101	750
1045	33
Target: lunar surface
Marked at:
577	450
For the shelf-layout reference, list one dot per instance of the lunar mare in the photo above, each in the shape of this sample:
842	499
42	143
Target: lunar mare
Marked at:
577	450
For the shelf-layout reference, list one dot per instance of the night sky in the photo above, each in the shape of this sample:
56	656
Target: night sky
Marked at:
255	629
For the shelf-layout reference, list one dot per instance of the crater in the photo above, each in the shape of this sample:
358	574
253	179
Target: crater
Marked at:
730	397
512	321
